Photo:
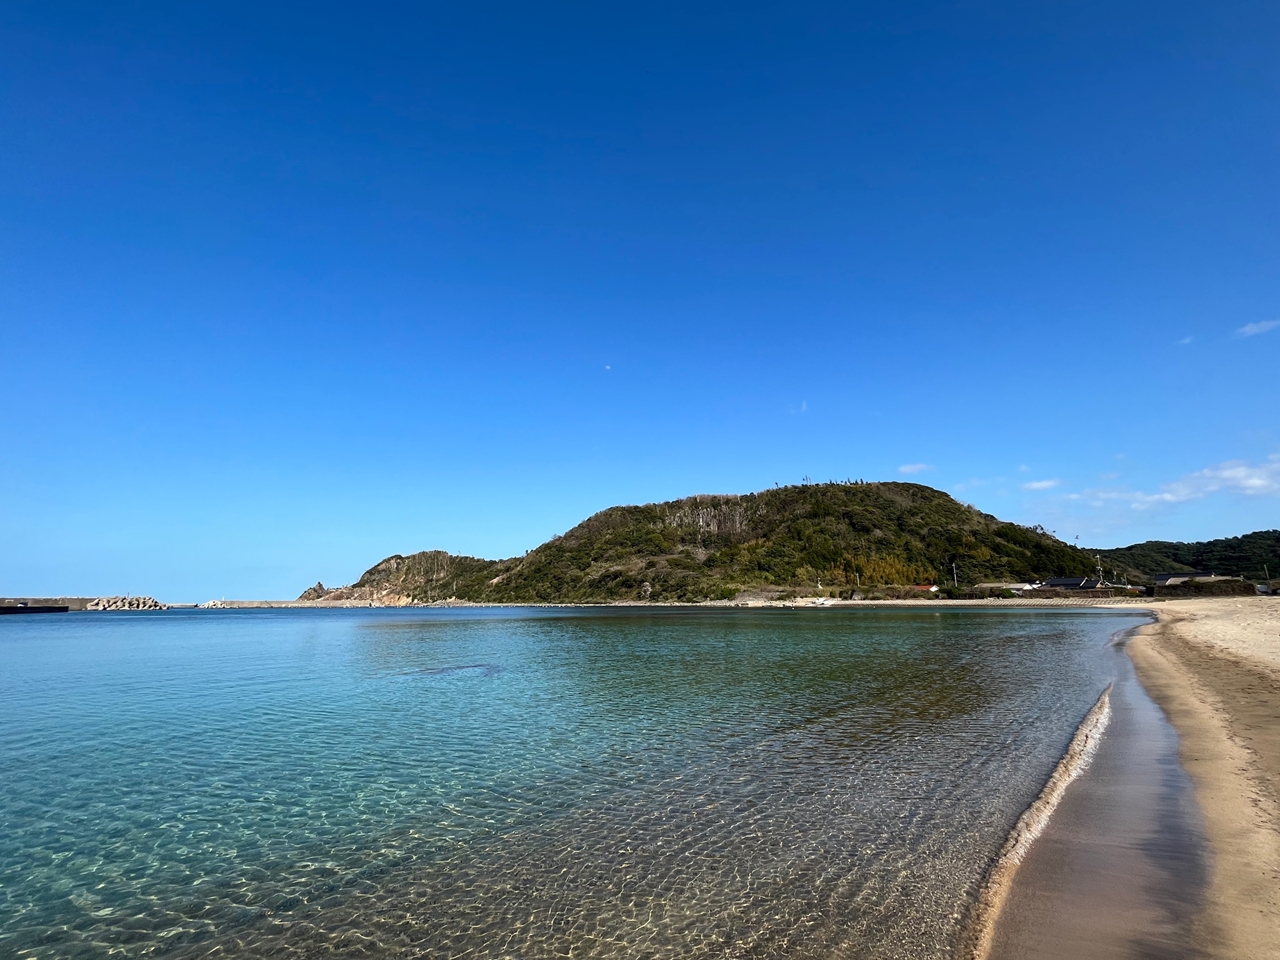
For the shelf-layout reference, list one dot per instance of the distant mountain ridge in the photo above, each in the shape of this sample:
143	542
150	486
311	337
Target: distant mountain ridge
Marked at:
840	535
1254	556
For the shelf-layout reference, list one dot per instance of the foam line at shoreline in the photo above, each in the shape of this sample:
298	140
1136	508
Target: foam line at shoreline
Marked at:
1079	754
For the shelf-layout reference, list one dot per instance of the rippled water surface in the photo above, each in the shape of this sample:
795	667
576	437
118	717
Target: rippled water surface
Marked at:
522	783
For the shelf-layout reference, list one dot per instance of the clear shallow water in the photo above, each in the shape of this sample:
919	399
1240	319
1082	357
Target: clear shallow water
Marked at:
709	783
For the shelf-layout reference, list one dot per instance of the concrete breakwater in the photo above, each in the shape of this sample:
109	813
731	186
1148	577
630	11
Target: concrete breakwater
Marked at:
88	603
125	603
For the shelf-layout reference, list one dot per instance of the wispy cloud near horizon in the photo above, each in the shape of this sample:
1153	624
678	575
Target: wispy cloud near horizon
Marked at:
1224	499
1041	484
1233	476
1261	479
915	467
1253	329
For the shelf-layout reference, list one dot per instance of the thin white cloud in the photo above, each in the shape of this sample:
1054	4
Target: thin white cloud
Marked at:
1183	342
1041	484
1107	509
1240	477
915	467
1253	329
1233	476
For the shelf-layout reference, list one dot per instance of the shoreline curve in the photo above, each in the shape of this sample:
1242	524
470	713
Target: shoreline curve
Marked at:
1029	826
1224	703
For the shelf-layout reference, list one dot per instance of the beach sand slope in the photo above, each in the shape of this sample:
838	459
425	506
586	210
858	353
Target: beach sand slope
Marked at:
1213	666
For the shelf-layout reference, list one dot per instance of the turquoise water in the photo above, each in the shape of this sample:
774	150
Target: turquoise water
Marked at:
522	783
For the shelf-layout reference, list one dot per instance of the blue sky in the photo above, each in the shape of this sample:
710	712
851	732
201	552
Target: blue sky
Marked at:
287	289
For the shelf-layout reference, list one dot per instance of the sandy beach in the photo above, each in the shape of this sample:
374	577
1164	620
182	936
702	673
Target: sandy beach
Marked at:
1129	866
1213	666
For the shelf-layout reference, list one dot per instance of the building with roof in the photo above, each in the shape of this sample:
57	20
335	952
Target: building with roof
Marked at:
1174	579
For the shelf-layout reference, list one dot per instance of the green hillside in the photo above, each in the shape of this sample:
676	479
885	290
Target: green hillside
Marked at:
844	535
1251	556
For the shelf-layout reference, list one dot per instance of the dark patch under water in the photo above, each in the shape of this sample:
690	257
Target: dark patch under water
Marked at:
587	783
484	669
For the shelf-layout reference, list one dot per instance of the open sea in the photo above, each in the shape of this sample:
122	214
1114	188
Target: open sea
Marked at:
523	782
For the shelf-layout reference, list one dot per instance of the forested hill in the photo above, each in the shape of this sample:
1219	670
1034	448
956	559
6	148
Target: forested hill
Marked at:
1253	555
845	535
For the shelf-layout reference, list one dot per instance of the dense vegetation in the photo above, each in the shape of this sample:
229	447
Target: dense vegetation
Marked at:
843	536
1252	556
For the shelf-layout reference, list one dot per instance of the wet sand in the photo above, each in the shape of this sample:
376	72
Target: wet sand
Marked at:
1121	869
1169	845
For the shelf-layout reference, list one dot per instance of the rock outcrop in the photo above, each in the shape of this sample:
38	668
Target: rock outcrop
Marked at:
358	595
317	592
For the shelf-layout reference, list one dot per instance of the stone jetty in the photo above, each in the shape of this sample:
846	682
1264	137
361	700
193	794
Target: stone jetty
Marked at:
125	603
